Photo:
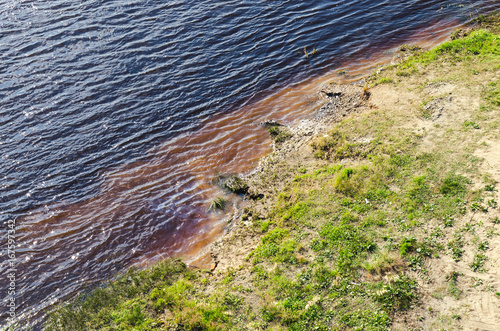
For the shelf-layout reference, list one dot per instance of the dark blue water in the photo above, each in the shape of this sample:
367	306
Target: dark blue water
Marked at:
89	87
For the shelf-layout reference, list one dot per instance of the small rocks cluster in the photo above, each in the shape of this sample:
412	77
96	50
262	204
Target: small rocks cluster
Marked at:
340	101
434	109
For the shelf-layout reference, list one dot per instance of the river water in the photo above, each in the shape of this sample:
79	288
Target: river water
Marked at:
115	117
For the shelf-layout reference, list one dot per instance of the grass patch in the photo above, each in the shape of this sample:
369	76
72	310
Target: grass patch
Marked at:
477	263
479	45
470	125
279	134
454	185
219	203
452	279
232	183
383	80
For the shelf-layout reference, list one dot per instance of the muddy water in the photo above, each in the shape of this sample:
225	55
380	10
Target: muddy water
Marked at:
117	116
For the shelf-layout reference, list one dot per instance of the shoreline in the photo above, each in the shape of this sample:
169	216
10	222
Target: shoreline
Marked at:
306	120
314	87
150	258
233	249
338	101
384	221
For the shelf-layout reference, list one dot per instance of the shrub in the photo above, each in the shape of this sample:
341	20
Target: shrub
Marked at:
218	203
233	183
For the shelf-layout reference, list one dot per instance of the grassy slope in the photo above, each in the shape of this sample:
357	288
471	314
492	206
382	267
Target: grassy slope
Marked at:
348	244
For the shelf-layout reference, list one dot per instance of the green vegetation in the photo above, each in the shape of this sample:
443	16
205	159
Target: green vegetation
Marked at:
478	262
345	245
279	134
143	299
386	80
232	183
480	47
218	203
452	279
307	54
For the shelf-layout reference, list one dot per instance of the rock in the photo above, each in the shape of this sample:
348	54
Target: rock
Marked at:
255	195
271	123
332	94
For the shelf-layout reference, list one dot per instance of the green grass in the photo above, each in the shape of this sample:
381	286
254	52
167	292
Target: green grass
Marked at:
219	203
144	299
127	302
279	134
452	279
478	262
481	46
385	80
479	43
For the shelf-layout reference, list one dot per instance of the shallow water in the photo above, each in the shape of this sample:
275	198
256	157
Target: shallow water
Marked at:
116	115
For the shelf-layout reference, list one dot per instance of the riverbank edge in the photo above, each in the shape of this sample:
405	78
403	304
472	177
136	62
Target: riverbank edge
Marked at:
254	225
